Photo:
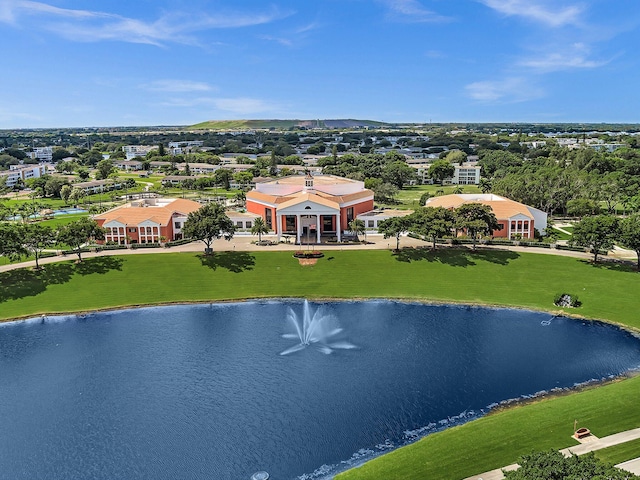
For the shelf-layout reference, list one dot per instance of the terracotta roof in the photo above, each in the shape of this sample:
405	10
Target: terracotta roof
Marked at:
262	197
317	180
161	215
503	208
311	197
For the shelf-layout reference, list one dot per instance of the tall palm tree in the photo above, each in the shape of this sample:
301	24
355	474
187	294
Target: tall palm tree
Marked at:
258	228
357	227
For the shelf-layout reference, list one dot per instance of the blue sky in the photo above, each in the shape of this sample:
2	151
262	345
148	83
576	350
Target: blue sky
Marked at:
168	62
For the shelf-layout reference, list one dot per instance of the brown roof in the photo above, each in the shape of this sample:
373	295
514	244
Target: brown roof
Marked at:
161	215
503	208
311	197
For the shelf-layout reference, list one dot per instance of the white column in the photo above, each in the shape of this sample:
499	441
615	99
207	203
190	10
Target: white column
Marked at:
278	225
317	228
298	227
338	229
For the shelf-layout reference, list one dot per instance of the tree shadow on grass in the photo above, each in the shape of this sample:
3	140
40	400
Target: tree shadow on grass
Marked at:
23	282
455	257
499	257
613	265
235	262
100	265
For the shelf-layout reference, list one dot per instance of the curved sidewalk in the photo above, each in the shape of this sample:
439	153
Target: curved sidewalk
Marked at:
246	243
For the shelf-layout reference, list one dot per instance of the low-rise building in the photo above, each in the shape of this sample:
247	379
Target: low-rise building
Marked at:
98	186
128	165
21	173
133	151
517	219
309	206
149	220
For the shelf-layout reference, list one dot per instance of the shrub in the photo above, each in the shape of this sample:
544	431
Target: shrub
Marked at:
566	300
308	254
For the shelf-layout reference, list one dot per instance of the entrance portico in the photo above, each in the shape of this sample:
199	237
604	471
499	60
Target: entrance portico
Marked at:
310	215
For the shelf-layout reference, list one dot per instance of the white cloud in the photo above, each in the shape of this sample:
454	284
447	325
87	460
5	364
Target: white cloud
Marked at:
91	26
537	10
508	90
281	40
573	57
411	11
177	86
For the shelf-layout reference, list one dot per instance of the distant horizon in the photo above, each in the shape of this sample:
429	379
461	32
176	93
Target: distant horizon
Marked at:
384	124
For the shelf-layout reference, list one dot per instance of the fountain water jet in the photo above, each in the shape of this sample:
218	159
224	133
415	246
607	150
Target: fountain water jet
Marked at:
314	329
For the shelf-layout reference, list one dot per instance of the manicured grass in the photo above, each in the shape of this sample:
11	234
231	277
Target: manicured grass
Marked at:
487	276
408	197
498	440
562	235
619	453
529	280
58	220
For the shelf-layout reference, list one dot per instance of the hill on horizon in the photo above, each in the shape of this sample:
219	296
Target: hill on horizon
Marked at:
284	124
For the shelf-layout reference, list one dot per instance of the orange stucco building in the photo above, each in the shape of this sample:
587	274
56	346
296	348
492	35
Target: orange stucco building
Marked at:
517	219
309	206
146	221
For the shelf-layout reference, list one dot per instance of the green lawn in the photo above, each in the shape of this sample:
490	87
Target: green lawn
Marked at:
562	235
408	197
620	453
489	277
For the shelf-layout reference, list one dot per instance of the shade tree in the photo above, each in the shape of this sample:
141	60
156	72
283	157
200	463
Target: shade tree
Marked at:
207	224
36	238
597	233
79	232
476	219
432	223
394	227
441	170
630	234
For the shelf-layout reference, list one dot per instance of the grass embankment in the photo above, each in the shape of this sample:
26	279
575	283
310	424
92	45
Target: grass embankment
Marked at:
499	439
490	277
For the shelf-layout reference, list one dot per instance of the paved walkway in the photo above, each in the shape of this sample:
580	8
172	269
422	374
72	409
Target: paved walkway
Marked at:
246	243
587	446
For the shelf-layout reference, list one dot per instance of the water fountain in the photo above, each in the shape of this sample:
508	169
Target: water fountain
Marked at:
316	329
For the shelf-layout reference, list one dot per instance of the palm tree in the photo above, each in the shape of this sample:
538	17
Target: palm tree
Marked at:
258	228
457	190
485	185
357	227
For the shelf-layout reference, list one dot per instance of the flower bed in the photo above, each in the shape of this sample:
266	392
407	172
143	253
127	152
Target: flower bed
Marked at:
308	254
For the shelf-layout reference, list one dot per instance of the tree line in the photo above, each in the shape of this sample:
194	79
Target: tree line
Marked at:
562	181
18	240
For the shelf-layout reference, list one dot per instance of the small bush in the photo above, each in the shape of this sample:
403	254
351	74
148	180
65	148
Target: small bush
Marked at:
566	300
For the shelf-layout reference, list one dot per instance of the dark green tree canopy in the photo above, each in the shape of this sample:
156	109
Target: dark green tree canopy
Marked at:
630	234
79	232
209	223
596	233
394	227
476	219
553	465
432	223
441	170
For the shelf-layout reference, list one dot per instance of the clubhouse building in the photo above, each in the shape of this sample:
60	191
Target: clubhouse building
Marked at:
309	207
517	219
146	221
